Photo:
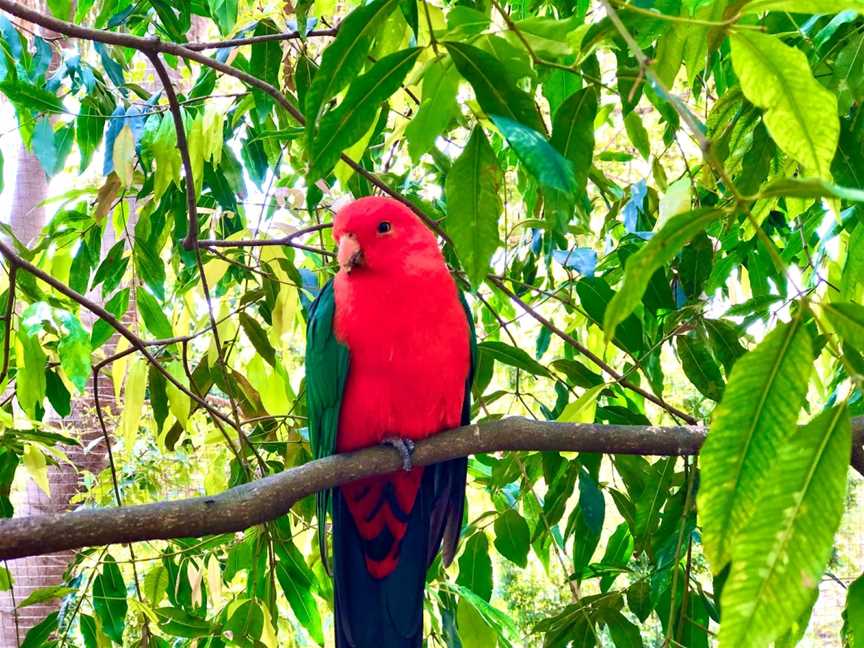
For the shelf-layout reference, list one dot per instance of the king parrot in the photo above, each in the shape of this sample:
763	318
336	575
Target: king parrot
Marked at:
389	359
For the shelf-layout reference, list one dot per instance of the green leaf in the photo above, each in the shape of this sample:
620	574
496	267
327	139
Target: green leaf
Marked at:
755	418
625	634
102	330
155	585
779	556
27	96
513	537
79	271
848	320
30	381
809	188
474	632
475	566
180	623
573	132
800	114
109	600
347	123
510	355
123	155
637	134
473	195
37	636
538	155
157	386
853	269
224	14
296	587
659	250
699	366
345	56
495	89
153	315
61	9
438	108
853	615
258	337
74	350
266	57
44	594
723	338
6	580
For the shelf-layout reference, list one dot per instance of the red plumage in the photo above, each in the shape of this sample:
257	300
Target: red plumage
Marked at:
399	314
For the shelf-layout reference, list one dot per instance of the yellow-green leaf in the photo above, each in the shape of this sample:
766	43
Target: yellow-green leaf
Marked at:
800	113
34	462
124	155
780	554
756	417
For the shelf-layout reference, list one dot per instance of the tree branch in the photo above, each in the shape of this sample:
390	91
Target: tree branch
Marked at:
182	145
266	499
263	38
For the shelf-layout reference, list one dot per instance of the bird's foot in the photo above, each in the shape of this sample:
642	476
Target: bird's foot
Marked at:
405	448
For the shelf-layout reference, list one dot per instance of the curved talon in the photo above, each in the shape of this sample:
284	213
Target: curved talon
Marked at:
405	448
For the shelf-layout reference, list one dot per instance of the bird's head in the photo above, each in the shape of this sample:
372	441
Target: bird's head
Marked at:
377	234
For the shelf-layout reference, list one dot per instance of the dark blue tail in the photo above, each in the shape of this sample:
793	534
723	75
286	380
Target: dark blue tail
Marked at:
388	612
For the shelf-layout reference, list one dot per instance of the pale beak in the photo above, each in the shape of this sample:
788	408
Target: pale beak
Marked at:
349	255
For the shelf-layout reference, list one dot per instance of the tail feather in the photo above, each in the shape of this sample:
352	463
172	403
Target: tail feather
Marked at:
388	612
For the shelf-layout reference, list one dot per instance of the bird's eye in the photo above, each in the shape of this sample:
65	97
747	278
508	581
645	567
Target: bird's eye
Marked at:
384	227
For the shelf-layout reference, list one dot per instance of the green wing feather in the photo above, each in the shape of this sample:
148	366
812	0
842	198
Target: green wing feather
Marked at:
326	370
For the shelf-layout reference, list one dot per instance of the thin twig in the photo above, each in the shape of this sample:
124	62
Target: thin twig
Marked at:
569	339
7	320
262	38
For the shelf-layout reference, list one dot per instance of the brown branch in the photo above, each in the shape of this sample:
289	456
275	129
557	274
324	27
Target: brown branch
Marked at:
7	320
263	38
569	339
266	499
183	145
285	240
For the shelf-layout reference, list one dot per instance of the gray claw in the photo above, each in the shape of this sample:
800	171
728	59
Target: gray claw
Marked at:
405	448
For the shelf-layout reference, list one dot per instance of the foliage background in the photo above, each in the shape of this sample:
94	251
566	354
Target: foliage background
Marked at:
549	153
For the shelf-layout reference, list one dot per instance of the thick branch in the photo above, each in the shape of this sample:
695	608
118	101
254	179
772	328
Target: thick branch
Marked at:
266	499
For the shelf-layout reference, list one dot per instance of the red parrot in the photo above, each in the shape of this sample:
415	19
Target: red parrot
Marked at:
389	359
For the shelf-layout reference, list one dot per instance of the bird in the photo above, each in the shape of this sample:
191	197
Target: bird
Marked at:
390	356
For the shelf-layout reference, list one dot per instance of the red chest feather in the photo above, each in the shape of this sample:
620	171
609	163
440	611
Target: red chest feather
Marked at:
408	340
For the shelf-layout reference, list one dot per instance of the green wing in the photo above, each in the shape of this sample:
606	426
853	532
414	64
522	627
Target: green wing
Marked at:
326	370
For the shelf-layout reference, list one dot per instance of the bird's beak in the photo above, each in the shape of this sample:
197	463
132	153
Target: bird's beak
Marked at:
349	255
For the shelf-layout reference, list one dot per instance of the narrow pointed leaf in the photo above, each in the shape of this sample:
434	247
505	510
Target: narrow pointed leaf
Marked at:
495	89
345	56
848	320
780	555
473	197
346	124
757	415
800	114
